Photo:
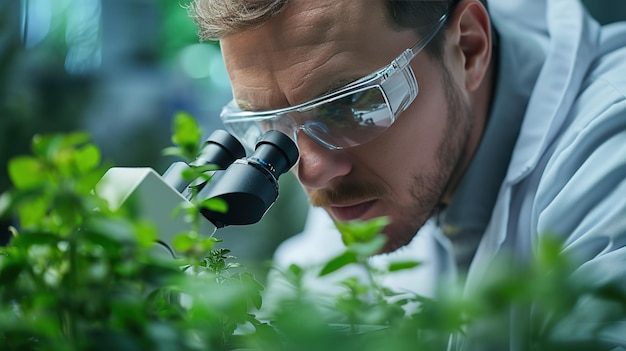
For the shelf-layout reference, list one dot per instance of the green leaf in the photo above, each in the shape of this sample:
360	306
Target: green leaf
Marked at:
109	244
58	148
368	248
187	133
361	231
73	140
10	271
183	242
215	205
207	243
42	144
256	288
88	181
172	151
146	233
295	270
5	204
205	168
549	253
87	158
46	146
200	172
190	173
26	172
33	212
338	262
27	239
401	265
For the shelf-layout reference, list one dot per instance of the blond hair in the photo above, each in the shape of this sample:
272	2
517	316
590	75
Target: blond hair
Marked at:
219	18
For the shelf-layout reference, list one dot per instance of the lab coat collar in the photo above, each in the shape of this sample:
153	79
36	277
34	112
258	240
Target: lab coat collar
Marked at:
470	209
573	38
570	39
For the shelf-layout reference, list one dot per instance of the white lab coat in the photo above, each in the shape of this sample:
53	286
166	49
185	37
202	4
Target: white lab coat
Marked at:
566	76
567	172
567	175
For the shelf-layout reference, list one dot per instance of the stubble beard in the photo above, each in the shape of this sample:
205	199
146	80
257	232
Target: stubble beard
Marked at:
428	189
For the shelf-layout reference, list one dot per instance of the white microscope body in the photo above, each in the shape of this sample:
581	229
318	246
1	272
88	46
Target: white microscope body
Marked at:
248	185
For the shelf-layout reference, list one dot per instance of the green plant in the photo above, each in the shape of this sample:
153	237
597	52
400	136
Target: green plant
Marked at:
80	276
77	275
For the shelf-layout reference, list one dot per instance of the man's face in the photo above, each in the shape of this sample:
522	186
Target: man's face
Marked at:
314	47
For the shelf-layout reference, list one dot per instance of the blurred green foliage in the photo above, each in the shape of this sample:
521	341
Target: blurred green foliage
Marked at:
81	276
78	275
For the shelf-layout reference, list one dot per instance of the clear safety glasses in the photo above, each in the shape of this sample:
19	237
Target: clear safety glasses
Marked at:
349	116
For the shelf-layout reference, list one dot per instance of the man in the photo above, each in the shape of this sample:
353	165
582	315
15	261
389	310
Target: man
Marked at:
497	136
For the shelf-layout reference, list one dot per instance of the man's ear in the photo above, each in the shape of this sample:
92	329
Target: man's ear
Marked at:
470	36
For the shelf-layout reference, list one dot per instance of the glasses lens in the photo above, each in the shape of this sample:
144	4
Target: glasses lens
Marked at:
247	132
349	120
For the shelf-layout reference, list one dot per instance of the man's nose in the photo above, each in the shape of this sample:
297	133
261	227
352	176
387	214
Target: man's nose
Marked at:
319	166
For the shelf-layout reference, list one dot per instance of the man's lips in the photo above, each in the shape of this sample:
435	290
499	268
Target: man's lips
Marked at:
346	213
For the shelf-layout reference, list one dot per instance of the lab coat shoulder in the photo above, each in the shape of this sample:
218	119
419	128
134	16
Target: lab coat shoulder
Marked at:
582	190
567	173
581	193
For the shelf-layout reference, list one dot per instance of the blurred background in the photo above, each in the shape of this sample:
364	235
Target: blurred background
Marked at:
120	69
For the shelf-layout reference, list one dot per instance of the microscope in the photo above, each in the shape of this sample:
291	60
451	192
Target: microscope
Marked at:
248	185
